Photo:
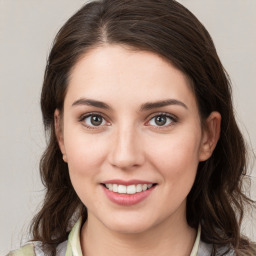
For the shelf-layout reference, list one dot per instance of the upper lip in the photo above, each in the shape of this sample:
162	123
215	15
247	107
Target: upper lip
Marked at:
127	182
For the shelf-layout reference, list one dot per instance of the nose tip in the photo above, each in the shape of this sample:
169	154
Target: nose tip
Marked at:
127	151
124	163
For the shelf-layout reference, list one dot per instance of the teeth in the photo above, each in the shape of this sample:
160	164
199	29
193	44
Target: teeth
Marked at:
121	189
144	187
139	188
115	188
131	189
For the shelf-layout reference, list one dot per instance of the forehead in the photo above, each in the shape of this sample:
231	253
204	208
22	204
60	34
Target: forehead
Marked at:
113	71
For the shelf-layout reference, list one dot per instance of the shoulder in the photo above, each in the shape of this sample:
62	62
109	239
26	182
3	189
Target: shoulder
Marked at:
26	250
35	249
206	249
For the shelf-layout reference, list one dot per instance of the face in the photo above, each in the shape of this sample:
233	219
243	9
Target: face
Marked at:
132	137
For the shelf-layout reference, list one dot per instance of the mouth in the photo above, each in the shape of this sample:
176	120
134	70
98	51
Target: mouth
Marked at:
128	189
128	192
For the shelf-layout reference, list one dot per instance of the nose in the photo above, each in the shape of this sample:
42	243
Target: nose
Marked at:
126	149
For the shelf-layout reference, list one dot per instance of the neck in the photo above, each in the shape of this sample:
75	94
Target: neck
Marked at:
169	238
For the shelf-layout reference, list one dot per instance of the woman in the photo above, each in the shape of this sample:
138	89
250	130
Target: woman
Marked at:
144	154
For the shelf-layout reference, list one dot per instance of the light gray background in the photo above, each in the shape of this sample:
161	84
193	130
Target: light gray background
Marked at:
27	28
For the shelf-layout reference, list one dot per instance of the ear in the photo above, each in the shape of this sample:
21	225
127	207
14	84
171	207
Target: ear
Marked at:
211	134
59	133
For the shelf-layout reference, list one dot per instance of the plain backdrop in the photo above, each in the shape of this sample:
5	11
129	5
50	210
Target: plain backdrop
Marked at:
27	29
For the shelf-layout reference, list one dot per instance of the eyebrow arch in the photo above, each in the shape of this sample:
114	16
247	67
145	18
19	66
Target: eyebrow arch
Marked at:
90	102
144	107
163	103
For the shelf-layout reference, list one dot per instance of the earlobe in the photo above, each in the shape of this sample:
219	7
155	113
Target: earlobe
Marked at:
59	133
211	134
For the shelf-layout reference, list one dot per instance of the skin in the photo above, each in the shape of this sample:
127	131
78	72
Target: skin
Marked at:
129	144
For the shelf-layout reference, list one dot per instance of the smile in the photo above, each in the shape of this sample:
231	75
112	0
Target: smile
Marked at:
130	189
127	193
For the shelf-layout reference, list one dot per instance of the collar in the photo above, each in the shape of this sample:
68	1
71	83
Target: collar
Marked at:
195	248
74	245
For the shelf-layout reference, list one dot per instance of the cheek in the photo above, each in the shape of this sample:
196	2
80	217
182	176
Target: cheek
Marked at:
84	153
85	156
177	156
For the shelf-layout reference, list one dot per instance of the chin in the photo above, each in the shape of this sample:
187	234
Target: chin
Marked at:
129	225
129	228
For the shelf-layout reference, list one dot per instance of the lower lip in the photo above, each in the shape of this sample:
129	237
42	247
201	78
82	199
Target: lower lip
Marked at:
127	199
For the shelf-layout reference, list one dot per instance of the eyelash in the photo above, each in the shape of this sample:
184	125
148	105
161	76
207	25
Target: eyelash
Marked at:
83	117
173	119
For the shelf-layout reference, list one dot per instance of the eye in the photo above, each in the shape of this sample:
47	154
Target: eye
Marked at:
93	120
161	120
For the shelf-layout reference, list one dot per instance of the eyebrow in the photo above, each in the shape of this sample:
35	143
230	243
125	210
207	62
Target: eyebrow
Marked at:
90	102
144	107
160	104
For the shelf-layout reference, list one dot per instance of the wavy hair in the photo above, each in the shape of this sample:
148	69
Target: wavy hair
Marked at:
165	27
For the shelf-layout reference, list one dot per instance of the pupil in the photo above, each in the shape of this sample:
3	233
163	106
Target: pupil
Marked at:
161	120
96	120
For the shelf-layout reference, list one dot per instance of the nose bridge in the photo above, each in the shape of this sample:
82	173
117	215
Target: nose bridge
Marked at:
126	149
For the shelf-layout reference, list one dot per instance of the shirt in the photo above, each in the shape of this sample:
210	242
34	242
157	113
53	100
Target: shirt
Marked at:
72	247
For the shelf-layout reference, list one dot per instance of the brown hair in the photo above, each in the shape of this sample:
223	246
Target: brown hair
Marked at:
165	27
